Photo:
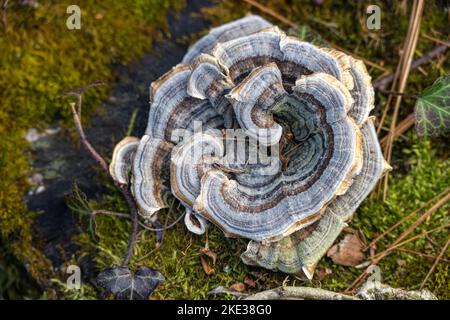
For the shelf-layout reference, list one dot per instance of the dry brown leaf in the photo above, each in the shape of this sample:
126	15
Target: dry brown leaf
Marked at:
206	267
250	282
208	252
322	273
348	252
239	287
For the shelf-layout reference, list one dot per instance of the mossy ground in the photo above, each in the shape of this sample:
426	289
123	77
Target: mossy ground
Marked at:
421	167
39	59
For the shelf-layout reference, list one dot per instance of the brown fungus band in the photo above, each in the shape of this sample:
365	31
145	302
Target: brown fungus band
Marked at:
266	136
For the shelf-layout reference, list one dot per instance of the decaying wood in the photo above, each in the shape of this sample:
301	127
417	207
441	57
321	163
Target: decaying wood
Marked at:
299	293
371	290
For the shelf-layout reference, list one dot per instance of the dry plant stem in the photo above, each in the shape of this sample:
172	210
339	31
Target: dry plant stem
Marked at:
398	71
436	40
110	213
302	293
422	218
128	217
398	242
435	263
409	216
385	80
409	48
400	129
77	119
377	258
272	13
76	112
420	254
403	94
390	249
291	24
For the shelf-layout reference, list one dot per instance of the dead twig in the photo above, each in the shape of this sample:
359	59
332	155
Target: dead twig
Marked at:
376	259
400	129
398	242
409	216
303	293
420	254
389	250
405	63
436	40
124	189
383	81
435	263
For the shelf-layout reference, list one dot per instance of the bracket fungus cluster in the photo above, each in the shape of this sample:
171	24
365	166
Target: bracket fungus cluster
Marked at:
265	136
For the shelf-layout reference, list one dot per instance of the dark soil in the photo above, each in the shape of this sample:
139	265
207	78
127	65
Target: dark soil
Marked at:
63	162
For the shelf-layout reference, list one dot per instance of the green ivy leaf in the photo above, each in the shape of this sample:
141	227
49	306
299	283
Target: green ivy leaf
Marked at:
126	285
432	110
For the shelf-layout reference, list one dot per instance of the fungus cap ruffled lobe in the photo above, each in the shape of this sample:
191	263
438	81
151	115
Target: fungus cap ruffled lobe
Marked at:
310	106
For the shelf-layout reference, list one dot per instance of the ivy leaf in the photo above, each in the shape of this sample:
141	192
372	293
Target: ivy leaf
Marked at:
432	110
125	285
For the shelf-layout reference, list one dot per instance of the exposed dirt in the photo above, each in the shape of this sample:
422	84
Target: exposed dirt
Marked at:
61	162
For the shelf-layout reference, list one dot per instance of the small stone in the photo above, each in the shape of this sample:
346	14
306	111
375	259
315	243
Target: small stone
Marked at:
40	189
37	179
32	135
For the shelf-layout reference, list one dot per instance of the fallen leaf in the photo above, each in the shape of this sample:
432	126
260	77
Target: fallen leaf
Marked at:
212	255
250	282
322	273
125	285
239	287
206	267
208	252
348	252
401	262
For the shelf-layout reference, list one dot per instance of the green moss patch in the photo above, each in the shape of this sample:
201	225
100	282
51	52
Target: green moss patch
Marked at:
39	59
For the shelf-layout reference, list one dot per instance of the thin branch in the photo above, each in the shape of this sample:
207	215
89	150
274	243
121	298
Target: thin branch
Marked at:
422	218
124	189
303	293
421	254
408	53
400	129
403	94
76	118
447	44
377	258
393	247
383	81
412	214
435	263
111	213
